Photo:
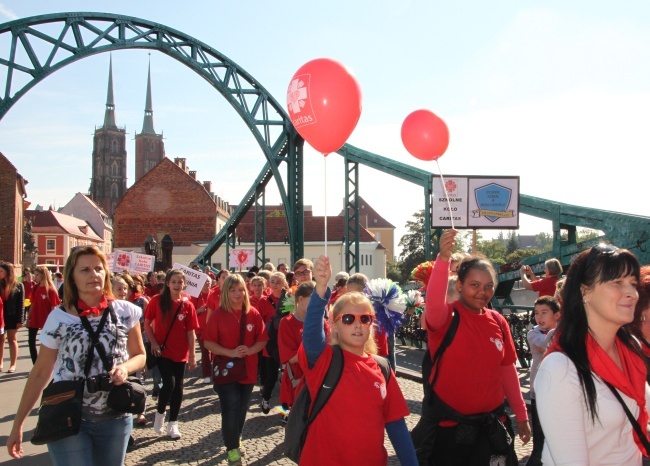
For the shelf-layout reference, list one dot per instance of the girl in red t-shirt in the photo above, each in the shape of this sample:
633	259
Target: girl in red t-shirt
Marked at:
43	299
222	337
200	304
481	355
171	316
378	405
257	286
214	300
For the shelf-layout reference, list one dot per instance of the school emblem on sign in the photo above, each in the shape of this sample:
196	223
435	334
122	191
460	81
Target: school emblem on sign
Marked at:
493	201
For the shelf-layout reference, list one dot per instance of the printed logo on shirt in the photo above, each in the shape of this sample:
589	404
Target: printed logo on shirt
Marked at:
382	389
43	296
181	317
249	327
498	343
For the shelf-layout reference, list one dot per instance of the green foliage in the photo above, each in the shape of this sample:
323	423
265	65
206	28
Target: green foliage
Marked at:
494	250
544	241
412	244
393	272
583	234
513	243
519	254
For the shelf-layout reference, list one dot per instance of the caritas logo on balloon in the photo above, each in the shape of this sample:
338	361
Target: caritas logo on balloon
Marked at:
298	101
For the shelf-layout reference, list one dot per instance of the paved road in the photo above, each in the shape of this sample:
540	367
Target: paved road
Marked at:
199	420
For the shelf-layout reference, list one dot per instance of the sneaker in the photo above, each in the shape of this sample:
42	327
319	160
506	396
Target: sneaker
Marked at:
158	423
266	406
285	418
207	380
234	457
172	430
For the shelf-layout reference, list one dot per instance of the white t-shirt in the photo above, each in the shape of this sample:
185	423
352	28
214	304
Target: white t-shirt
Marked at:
571	438
65	333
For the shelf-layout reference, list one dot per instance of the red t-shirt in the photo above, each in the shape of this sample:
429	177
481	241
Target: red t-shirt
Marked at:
381	338
470	369
254	300
353	420
177	347
202	316
29	287
289	340
223	328
545	286
214	299
266	307
42	304
150	290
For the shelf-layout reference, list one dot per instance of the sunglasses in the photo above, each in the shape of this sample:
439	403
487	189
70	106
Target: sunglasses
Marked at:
350	319
597	250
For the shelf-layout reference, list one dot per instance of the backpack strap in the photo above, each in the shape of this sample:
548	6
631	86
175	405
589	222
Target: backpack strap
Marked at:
383	364
446	341
330	382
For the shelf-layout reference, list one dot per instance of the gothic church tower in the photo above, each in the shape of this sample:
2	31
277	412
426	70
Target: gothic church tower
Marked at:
149	146
108	183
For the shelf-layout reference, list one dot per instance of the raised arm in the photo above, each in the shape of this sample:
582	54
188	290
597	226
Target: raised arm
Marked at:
436	310
313	336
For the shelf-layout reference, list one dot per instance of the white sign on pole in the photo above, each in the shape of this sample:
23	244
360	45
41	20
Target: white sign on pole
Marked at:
142	263
242	258
457	191
194	280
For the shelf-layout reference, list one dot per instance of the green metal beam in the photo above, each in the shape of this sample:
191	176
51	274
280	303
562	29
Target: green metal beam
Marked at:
352	216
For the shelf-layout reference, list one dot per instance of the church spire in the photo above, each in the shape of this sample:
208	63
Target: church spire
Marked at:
109	115
147	125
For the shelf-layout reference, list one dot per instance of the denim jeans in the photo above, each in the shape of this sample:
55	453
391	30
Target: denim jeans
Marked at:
234	398
98	443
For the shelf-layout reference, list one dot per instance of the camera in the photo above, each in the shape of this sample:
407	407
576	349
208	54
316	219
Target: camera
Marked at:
97	383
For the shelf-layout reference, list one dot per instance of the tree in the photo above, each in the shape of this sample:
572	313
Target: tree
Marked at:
412	244
493	250
393	272
583	234
519	254
513	243
544	241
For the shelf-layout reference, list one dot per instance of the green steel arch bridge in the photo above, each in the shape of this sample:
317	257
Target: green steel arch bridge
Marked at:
41	45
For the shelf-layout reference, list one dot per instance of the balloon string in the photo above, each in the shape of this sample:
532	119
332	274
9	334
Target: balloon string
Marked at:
451	214
325	197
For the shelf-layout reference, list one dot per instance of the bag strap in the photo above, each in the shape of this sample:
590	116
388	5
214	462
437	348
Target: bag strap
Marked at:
242	327
446	341
162	347
330	382
384	365
94	338
635	424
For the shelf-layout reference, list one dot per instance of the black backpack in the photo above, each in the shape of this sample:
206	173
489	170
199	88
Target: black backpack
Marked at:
304	411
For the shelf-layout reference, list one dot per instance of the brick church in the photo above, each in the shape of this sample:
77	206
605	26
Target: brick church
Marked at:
152	205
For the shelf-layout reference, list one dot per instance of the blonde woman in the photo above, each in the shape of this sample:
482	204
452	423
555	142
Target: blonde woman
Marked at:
222	337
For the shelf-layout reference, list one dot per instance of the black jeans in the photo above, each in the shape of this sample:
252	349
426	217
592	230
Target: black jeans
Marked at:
234	398
172	375
31	342
271	377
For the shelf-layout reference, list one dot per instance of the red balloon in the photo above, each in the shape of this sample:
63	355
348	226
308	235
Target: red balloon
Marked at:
324	103
425	135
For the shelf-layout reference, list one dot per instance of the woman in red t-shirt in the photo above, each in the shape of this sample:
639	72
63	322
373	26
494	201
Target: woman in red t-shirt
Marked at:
222	337
43	299
170	319
200	304
214	300
481	354
257	287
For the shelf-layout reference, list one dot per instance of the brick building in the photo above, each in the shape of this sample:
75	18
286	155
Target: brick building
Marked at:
12	207
169	200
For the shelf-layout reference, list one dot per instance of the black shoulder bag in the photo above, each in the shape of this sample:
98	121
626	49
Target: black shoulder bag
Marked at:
151	359
59	415
129	397
635	424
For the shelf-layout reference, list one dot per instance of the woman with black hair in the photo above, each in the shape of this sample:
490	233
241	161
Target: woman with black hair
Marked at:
12	294
169	322
592	361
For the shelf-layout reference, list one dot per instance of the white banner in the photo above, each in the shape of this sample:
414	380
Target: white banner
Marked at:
142	263
131	262
242	258
194	280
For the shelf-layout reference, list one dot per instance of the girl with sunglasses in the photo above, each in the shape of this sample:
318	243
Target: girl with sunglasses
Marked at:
377	404
594	365
466	389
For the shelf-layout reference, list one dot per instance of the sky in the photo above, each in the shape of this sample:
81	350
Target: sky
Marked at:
555	92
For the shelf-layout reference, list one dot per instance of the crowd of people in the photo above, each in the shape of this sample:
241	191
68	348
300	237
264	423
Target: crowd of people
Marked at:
589	346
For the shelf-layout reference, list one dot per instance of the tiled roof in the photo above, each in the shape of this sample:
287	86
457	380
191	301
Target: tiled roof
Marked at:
277	231
368	217
49	221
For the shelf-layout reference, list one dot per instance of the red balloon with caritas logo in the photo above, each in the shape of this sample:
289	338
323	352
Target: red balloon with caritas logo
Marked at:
324	103
425	135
